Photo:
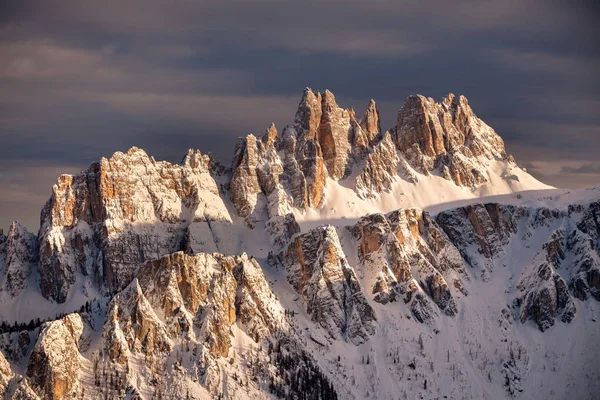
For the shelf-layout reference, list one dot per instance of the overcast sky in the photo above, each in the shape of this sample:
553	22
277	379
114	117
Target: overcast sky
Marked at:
80	80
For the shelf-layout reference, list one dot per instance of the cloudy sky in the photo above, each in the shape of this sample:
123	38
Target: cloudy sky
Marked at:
80	79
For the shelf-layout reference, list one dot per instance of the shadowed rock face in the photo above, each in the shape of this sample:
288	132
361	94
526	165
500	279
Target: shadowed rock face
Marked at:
567	265
545	294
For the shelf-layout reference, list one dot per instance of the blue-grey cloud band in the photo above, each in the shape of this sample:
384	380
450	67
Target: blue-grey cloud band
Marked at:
80	80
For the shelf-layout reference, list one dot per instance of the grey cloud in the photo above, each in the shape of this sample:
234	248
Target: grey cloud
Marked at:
80	80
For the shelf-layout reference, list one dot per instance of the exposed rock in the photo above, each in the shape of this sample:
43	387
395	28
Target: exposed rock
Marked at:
244	184
382	167
318	270
307	152
544	293
584	244
105	221
370	123
488	227
254	300
5	375
324	142
447	136
397	246
3	240
21	258
54	363
334	137
19	389
281	229
256	175
209	291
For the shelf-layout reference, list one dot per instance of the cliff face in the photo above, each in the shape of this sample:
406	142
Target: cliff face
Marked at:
318	270
54	363
447	137
195	297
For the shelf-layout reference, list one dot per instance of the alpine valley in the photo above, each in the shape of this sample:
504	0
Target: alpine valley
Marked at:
330	260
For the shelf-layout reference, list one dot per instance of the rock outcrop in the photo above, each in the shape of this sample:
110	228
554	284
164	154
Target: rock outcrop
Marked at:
21	258
325	141
318	270
53	366
486	227
545	294
584	244
383	166
6	375
408	254
447	136
178	292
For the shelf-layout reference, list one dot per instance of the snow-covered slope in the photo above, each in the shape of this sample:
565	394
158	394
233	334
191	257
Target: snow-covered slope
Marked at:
331	261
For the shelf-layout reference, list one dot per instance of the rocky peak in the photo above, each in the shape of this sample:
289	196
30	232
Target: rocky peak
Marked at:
54	363
270	138
21	258
178	292
327	141
408	260
107	220
370	124
194	159
308	115
447	136
334	137
5	375
244	186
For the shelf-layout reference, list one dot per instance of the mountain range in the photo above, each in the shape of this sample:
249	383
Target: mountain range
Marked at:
331	260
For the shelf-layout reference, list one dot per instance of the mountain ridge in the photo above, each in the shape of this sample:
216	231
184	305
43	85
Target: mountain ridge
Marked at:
200	280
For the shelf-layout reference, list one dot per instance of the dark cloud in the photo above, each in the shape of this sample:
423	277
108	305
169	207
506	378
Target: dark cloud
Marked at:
80	80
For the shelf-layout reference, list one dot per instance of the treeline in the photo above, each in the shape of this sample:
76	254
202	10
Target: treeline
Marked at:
298	376
37	322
